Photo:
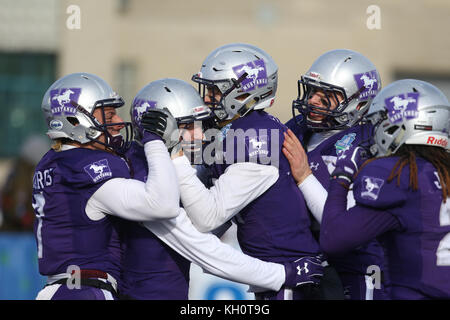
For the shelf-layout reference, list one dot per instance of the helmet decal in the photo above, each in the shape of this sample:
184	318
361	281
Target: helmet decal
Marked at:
60	101
140	106
370	82
402	106
256	74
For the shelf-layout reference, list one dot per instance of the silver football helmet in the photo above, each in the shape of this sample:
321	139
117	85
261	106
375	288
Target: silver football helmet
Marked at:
343	72
245	76
176	98
409	112
68	106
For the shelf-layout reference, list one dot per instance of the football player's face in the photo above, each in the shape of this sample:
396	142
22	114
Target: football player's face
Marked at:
111	116
191	131
322	99
212	95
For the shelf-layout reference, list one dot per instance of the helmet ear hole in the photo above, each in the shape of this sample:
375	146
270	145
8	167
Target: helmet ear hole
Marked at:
73	121
392	129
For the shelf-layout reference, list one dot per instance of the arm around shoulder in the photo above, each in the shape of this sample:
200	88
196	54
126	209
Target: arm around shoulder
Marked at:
240	184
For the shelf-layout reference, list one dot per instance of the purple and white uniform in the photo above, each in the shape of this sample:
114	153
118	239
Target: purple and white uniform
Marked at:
157	254
151	269
352	266
270	227
78	194
414	225
62	185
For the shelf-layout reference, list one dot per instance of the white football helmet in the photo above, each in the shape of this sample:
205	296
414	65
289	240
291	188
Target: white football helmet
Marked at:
342	71
245	75
176	98
68	106
409	112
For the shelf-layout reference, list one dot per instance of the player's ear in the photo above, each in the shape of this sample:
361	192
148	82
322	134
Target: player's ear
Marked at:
361	105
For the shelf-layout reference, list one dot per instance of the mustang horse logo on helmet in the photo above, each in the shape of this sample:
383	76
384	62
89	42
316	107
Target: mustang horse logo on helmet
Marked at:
60	100
256	74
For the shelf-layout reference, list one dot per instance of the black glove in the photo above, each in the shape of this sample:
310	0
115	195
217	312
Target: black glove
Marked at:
348	164
303	271
153	125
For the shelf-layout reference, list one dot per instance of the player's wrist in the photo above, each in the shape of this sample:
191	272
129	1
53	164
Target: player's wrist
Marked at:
300	179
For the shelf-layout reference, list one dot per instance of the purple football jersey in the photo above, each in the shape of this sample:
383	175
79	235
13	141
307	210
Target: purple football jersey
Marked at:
151	269
417	252
274	227
62	185
321	160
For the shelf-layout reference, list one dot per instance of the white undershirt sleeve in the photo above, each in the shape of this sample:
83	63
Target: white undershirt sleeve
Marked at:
315	196
240	184
157	198
214	256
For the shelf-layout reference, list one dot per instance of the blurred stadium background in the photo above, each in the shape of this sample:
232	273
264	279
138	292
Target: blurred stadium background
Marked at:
132	42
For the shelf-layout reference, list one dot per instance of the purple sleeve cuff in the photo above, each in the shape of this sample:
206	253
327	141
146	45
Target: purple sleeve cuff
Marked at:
342	230
149	136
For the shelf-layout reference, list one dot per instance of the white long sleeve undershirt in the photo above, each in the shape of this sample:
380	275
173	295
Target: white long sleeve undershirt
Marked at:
157	198
315	196
214	256
240	184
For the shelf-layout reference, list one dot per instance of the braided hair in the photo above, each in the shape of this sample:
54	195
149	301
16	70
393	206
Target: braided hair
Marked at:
438	157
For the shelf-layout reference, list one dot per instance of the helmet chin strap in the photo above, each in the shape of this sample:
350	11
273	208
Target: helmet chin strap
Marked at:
222	124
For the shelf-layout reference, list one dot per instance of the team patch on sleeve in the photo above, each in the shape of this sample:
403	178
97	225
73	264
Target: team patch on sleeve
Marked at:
371	187
99	170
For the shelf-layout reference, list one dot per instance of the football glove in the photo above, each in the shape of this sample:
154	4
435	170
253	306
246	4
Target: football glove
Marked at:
303	271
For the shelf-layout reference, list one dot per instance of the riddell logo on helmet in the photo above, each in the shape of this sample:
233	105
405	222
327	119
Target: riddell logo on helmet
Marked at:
314	75
435	141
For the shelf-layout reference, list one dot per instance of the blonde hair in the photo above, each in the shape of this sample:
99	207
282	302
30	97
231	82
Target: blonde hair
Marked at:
57	145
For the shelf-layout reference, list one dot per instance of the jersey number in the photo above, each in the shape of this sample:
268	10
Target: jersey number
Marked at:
38	206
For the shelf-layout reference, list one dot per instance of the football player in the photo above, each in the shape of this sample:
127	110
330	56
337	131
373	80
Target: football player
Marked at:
333	96
82	182
238	81
157	256
402	195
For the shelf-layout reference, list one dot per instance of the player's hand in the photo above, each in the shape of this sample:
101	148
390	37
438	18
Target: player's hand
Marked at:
303	271
348	164
296	155
153	123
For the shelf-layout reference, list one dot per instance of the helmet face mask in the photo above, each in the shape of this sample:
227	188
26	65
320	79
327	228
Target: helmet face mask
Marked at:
333	95
243	76
338	73
69	106
409	112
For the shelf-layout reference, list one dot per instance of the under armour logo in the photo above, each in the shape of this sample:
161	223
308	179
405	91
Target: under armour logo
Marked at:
314	165
305	269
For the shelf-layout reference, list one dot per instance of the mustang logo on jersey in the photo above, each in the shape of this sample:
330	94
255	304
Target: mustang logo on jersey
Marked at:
98	170
258	145
372	187
60	101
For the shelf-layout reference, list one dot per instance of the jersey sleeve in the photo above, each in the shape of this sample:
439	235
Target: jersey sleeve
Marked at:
343	230
372	189
157	198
